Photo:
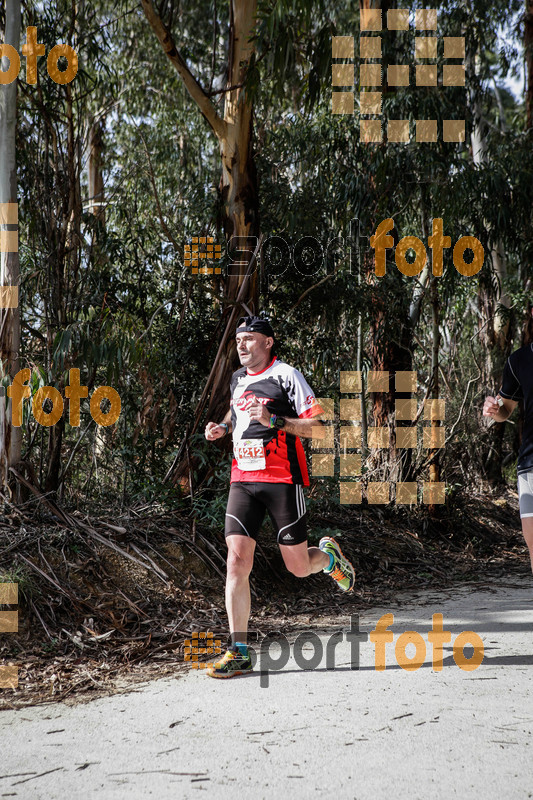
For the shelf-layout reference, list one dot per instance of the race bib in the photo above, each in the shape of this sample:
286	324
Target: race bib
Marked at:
250	454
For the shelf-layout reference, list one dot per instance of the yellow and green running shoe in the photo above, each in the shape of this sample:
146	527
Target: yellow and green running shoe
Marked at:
342	570
232	663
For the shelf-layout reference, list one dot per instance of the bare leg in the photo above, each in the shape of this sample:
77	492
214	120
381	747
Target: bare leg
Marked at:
527	530
302	560
239	565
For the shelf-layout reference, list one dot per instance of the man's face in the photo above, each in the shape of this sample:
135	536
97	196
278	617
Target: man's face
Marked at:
254	349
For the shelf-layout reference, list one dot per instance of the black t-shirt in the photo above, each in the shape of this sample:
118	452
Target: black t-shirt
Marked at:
517	384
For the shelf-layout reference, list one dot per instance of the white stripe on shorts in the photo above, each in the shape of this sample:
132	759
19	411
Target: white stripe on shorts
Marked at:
240	523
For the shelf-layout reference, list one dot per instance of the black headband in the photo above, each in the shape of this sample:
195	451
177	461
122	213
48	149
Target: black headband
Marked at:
254	325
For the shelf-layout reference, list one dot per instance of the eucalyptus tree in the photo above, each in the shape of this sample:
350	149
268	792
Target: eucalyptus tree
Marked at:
67	320
10	436
528	51
405	318
243	35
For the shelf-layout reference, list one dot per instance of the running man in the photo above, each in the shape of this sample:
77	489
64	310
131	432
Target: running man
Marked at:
271	407
517	384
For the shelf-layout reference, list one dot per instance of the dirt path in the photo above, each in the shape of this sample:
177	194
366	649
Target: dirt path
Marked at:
342	732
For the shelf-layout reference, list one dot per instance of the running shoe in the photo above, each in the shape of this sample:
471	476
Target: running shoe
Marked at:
342	570
232	663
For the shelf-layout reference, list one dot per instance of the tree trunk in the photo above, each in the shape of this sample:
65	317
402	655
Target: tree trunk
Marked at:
528	49
390	340
53	455
10	437
434	467
65	267
95	176
493	325
96	206
390	350
238	184
238	189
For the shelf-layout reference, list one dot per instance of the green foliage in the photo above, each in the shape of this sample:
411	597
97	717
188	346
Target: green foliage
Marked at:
27	588
116	300
315	534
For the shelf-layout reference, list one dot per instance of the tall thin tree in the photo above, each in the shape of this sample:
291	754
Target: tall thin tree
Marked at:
528	52
10	437
238	189
233	129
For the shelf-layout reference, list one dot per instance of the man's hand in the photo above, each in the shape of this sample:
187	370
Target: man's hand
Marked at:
499	411
491	407
259	412
214	431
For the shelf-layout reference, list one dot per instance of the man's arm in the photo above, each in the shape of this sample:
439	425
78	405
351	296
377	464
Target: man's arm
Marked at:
499	413
215	430
311	428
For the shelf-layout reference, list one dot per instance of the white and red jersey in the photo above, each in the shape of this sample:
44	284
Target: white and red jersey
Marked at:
266	455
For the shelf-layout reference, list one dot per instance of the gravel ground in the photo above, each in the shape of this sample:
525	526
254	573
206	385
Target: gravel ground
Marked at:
350	731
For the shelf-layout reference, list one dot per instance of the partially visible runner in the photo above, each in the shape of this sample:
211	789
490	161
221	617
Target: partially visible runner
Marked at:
517	384
271	407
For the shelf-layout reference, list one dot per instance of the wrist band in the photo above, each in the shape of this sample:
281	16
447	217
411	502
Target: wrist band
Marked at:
272	421
224	425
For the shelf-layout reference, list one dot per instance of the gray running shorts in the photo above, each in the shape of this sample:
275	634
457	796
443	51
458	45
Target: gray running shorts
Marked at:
525	493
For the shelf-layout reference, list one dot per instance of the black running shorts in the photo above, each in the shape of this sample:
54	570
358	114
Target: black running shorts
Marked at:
285	503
